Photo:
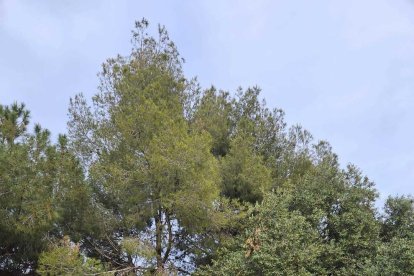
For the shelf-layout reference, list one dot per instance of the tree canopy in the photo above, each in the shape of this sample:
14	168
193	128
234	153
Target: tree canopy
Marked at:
158	176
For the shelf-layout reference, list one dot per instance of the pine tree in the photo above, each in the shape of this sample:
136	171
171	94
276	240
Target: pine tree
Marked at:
155	175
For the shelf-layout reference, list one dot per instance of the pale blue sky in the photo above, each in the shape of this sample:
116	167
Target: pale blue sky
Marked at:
342	69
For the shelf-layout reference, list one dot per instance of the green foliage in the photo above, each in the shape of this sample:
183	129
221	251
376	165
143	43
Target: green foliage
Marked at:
277	242
398	220
245	177
395	257
337	207
154	174
65	259
13	122
42	192
214	115
159	177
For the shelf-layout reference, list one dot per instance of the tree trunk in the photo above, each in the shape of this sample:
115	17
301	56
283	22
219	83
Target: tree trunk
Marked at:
158	241
170	237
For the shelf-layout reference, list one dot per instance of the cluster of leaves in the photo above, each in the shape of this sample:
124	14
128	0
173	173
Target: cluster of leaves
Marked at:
157	176
64	258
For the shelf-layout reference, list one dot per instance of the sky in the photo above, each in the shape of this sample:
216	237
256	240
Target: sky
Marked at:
344	70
